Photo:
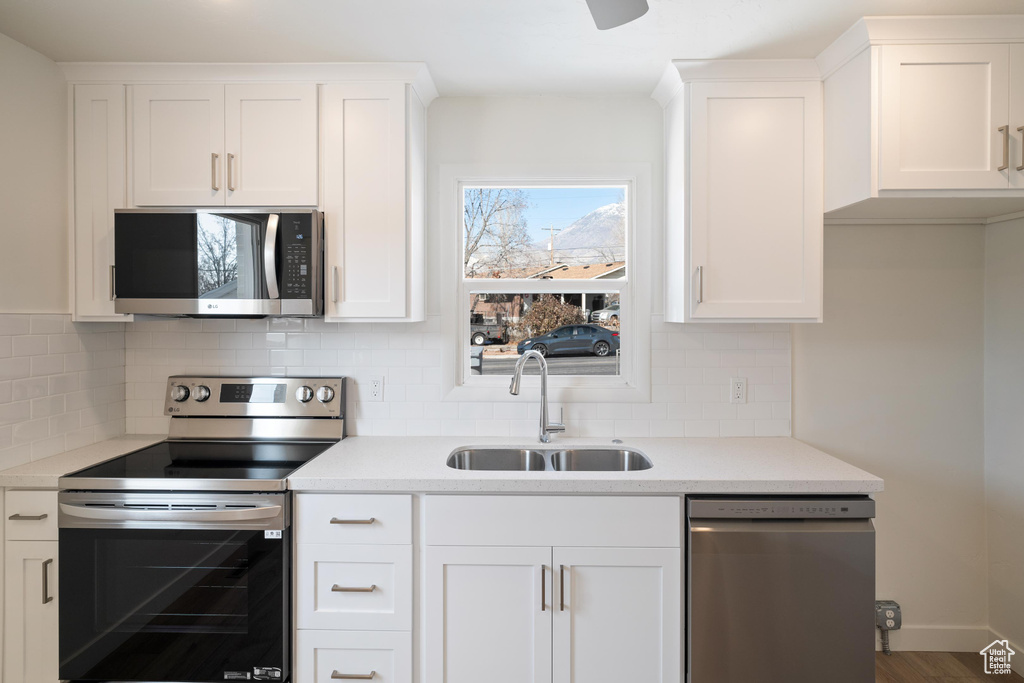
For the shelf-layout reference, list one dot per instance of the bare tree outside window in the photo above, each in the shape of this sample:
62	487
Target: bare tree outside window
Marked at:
496	236
218	253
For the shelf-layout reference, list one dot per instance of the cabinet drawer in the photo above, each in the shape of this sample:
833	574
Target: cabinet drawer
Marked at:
319	654
572	521
358	587
30	515
343	518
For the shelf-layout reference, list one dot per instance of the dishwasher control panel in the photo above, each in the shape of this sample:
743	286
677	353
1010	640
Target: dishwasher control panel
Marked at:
860	507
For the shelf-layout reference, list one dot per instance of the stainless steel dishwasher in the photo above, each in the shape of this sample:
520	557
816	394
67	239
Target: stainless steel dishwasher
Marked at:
780	590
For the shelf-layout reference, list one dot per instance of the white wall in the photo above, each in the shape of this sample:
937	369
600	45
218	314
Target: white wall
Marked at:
892	382
33	182
1004	426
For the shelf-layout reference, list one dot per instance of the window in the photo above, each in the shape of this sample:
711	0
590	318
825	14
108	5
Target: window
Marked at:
549	265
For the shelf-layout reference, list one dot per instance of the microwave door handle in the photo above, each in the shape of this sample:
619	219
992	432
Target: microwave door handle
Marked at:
270	256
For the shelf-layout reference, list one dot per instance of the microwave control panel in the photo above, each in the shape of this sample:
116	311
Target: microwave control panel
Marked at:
297	266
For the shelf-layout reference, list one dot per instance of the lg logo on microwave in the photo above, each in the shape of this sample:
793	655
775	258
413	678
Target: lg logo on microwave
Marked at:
212	306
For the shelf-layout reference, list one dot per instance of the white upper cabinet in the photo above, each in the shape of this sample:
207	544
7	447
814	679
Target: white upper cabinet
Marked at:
270	135
99	188
373	148
235	145
744	192
941	110
922	118
178	145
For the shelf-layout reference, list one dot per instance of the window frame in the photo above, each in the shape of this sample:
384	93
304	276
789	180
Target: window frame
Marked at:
633	384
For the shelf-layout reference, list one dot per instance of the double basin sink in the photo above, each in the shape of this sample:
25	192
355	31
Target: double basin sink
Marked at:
549	460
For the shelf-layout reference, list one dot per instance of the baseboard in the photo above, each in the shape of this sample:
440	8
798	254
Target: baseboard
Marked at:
939	639
1016	647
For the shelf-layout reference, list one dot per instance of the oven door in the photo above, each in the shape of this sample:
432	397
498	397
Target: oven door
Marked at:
171	587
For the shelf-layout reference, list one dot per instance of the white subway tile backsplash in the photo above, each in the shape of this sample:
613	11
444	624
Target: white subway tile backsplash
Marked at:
691	367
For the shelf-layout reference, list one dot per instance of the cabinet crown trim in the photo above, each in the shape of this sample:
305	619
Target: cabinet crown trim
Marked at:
682	71
869	31
414	73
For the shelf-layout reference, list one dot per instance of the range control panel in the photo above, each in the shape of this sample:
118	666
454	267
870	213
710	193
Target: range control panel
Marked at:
191	396
817	507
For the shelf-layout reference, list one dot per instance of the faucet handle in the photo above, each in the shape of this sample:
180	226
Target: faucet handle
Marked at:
557	427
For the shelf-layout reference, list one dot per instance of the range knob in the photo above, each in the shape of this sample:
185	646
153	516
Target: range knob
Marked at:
304	394
179	393
325	394
201	393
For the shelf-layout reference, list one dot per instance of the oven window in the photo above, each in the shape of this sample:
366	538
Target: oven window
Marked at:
150	586
184	605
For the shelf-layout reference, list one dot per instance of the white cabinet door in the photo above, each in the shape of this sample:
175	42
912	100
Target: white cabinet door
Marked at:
178	145
941	107
99	177
1017	116
270	136
619	616
366	206
488	614
755	224
30	612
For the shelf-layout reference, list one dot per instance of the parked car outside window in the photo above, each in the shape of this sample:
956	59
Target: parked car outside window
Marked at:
606	316
573	340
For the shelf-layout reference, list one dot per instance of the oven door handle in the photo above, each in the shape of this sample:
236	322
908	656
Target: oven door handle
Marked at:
135	515
270	256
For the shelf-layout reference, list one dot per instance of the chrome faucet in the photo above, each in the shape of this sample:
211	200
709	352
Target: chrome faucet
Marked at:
546	428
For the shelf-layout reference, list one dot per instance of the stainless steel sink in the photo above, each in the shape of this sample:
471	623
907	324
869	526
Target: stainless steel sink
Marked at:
599	460
507	459
561	460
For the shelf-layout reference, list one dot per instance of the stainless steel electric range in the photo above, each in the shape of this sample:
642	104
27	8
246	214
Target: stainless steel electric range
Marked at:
176	558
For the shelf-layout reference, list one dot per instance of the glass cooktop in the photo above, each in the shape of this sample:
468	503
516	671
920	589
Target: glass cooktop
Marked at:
207	463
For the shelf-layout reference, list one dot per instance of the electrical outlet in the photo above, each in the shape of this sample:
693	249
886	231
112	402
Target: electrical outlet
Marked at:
738	390
376	389
888	615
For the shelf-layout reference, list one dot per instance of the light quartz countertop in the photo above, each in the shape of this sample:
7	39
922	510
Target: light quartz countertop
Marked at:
411	464
681	465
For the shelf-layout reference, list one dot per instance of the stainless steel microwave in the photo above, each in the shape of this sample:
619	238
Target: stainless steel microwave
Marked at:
218	262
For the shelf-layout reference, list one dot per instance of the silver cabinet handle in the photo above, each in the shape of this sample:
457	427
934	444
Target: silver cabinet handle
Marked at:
231	162
1021	130
334	284
353	677
27	518
700	284
112	296
1005	130
561	587
353	589
46	583
270	256
213	172
543	589
335	520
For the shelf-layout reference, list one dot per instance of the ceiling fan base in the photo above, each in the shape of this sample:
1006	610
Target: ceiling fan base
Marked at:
613	13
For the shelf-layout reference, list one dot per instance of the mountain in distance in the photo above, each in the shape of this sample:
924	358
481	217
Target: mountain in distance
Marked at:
598	237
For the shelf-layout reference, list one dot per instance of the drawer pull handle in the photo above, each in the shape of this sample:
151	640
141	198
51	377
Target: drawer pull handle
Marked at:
1005	130
561	587
335	520
27	518
46	583
353	677
353	589
543	589
1021	167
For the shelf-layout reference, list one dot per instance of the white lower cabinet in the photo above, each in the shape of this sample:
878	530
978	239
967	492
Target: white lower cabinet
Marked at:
30	612
327	656
560	613
353	588
488	614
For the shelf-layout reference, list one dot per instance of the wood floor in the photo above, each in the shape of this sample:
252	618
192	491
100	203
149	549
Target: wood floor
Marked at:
937	667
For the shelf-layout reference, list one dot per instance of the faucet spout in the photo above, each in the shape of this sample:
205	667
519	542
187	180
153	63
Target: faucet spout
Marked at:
547	428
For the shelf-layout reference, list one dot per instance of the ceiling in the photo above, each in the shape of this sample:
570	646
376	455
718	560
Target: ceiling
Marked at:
472	47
